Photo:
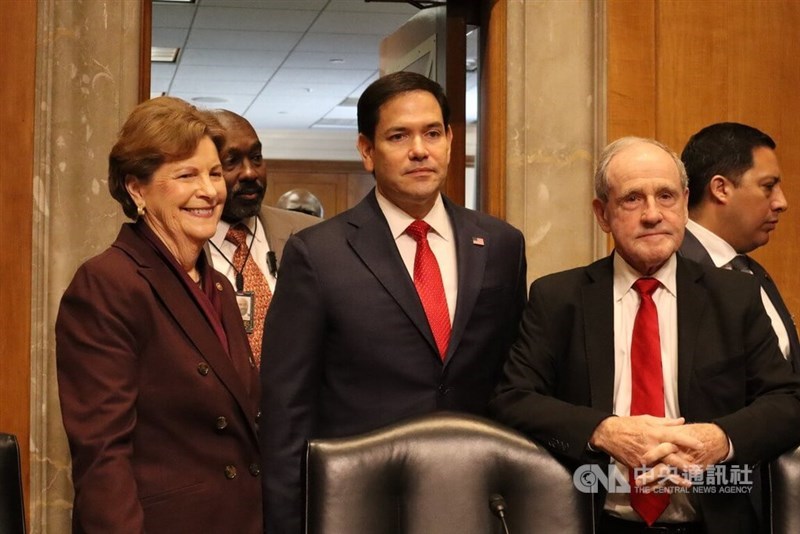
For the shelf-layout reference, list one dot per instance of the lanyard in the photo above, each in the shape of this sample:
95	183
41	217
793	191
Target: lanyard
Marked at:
239	274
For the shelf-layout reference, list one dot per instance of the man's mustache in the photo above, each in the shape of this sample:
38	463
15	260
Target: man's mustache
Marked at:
248	189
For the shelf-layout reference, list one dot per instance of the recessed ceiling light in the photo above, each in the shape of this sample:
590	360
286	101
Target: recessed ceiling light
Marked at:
208	99
161	54
349	102
336	60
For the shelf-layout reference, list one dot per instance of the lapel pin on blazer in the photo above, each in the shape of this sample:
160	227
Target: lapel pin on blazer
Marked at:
478	241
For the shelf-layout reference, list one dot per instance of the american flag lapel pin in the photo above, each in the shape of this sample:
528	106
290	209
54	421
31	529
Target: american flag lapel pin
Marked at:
478	241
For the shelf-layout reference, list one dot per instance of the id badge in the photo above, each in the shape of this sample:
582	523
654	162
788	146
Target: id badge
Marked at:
246	301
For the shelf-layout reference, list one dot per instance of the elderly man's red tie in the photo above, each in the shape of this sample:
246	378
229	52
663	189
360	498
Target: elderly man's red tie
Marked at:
647	385
428	281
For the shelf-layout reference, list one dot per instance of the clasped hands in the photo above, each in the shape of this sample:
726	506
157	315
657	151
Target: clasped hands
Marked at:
668	446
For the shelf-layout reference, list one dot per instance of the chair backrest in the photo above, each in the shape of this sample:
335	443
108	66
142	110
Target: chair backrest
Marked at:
436	474
784	493
12	511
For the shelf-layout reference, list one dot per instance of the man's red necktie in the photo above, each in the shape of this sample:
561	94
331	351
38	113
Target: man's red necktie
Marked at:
647	385
428	281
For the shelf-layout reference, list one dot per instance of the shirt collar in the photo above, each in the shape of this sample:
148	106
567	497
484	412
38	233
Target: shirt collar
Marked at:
625	276
720	251
222	230
399	220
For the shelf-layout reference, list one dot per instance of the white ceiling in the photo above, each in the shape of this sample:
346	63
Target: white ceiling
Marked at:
293	68
283	64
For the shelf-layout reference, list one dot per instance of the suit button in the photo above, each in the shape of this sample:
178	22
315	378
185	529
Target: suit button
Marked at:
255	469
222	423
230	472
203	368
258	416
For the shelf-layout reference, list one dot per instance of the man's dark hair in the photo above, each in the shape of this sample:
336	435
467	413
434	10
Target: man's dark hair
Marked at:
384	89
725	148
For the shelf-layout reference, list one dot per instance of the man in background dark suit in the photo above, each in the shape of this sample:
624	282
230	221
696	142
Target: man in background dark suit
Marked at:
735	199
719	390
349	345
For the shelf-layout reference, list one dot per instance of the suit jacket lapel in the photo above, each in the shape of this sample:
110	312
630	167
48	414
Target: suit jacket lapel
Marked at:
692	302
788	321
188	317
372	241
694	250
276	230
598	320
598	298
238	343
471	260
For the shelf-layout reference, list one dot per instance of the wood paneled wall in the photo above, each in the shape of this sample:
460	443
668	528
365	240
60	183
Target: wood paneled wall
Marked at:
18	65
675	66
492	109
338	185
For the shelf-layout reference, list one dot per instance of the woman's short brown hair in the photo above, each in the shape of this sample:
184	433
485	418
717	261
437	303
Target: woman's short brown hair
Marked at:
157	131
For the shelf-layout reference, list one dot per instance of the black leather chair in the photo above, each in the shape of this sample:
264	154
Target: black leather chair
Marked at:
12	511
436	474
784	493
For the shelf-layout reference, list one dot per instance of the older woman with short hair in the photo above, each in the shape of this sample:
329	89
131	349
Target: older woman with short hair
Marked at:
158	388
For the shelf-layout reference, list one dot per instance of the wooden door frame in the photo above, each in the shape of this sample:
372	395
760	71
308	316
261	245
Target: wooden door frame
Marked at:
492	109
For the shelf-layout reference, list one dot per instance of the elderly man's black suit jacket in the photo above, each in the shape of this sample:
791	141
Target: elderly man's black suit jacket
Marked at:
559	378
347	346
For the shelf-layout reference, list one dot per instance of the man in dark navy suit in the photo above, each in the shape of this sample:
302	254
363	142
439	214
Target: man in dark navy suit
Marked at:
403	305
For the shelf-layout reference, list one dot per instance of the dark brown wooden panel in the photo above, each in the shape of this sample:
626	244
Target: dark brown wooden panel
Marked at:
338	185
631	68
675	66
18	64
492	109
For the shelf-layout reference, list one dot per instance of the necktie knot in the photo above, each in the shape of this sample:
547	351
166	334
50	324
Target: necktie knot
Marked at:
418	230
740	262
646	286
237	234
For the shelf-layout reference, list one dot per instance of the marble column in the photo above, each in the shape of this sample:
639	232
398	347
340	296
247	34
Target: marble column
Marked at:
556	127
87	76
